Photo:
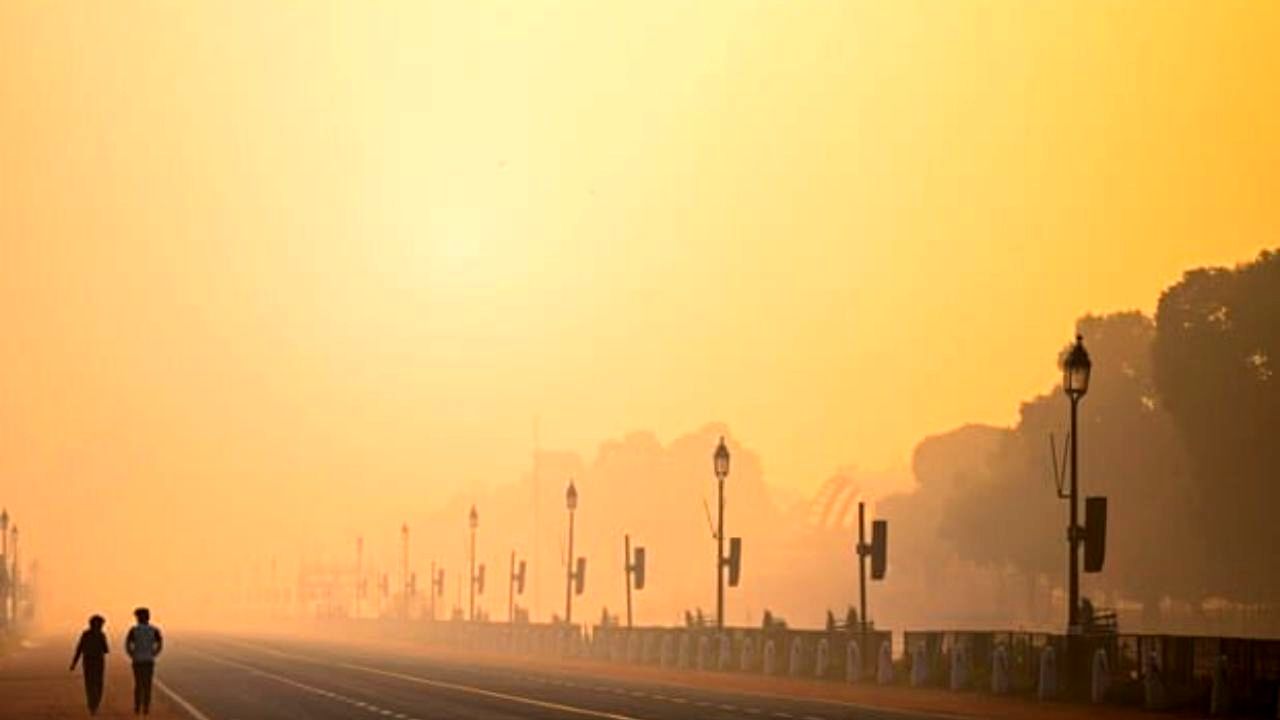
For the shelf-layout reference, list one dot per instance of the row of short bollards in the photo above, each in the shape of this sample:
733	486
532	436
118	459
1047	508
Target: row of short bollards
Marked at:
710	653
797	658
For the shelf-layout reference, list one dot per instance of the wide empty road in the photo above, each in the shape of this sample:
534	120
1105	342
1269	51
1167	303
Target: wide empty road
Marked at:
216	678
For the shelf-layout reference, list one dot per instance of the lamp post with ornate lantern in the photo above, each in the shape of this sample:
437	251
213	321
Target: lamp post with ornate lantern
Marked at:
721	463
1075	383
474	520
4	565
15	582
571	502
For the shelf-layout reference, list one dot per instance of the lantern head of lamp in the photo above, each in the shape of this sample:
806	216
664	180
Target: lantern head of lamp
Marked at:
571	497
1075	370
474	517
721	458
4	520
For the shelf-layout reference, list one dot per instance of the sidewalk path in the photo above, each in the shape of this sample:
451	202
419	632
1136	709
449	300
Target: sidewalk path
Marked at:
36	685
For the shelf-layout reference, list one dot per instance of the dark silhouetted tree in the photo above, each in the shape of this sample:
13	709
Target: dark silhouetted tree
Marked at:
1216	350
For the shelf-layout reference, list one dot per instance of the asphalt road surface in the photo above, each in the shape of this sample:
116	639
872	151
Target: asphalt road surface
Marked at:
216	678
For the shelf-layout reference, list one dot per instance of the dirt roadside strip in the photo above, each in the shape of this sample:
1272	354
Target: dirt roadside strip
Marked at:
36	685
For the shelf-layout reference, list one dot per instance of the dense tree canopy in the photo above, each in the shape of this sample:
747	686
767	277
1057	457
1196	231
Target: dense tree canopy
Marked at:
1218	338
1176	430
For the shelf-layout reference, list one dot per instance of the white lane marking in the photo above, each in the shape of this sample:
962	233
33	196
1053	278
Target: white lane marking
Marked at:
489	693
442	684
299	685
545	681
182	702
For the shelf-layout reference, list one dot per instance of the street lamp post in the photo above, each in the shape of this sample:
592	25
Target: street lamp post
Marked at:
404	567
4	562
474	520
864	551
436	588
571	502
721	462
1075	383
14	580
359	572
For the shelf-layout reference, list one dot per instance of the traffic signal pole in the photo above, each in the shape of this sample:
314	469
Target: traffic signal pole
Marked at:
863	551
626	563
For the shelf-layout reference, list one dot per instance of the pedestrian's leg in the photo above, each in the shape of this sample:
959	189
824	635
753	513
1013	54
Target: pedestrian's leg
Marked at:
146	688
93	686
137	688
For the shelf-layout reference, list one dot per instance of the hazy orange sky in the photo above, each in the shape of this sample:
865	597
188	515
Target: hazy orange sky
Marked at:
358	247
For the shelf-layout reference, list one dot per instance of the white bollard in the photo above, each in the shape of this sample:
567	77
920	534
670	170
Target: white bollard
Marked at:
748	658
704	653
1220	696
884	664
795	659
724	658
1048	688
1101	676
1000	670
1153	682
919	667
821	659
770	664
959	668
853	662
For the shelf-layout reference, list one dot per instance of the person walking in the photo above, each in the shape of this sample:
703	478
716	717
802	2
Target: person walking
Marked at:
143	643
92	648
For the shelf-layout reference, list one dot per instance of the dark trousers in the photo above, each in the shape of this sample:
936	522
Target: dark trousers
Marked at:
93	673
142	673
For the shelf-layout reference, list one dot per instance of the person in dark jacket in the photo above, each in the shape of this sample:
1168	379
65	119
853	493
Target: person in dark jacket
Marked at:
143	643
92	648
